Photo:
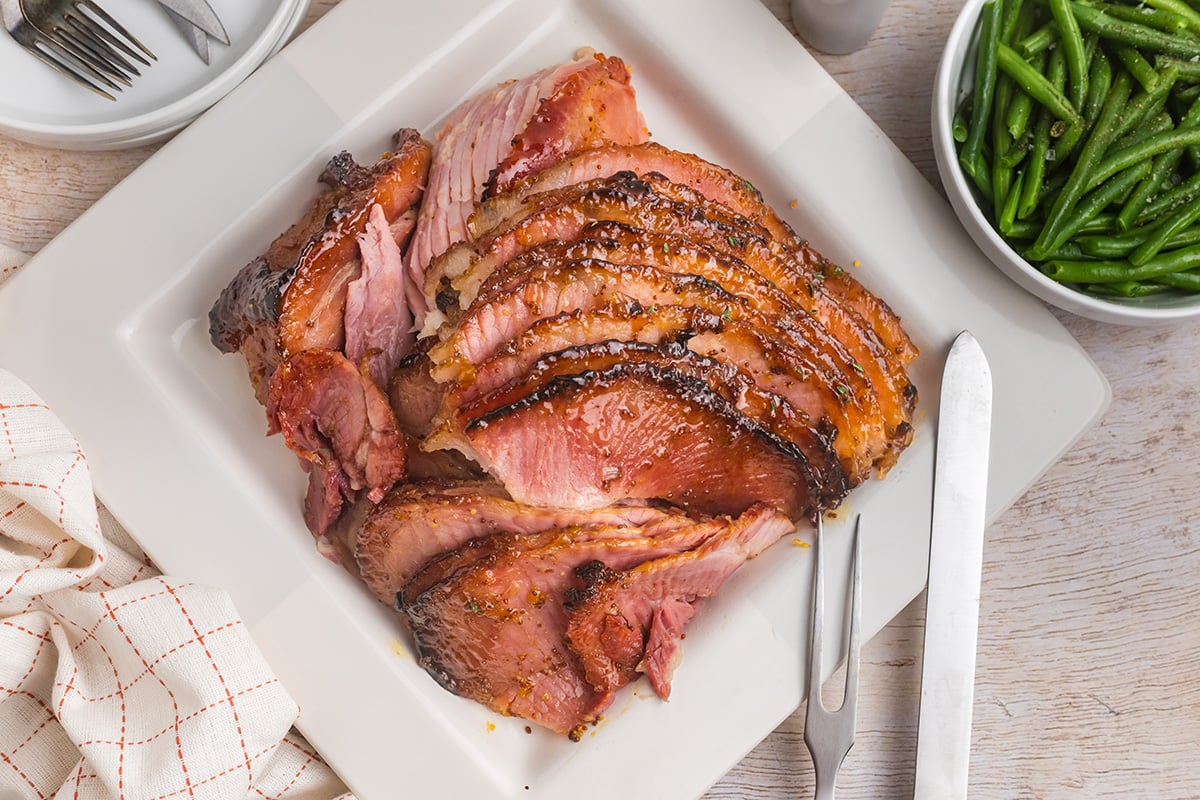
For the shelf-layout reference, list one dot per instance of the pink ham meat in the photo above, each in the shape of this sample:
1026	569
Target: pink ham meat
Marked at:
626	622
379	325
505	132
490	618
294	297
416	522
340	425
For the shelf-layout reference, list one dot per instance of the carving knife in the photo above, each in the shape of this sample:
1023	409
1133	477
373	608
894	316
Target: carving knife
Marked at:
955	573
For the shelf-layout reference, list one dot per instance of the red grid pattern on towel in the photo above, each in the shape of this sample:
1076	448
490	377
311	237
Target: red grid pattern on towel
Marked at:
114	681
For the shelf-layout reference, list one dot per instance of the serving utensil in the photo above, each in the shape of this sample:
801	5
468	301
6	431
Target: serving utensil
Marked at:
79	39
955	574
829	735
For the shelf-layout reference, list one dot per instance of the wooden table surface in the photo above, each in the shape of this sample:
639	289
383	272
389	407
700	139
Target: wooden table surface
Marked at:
1088	681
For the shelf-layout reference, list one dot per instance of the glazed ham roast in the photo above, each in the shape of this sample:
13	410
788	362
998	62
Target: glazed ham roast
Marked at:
553	383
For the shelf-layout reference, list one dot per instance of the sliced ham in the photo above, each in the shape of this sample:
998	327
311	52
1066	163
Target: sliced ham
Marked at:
417	522
636	431
489	618
507	131
340	425
630	621
379	325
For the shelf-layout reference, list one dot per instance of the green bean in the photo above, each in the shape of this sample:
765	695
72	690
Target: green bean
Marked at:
1180	8
1177	222
1099	224
1035	83
1142	151
1166	21
1095	202
1072	44
1039	41
1008	213
1127	289
1021	106
1160	123
1093	150
1188	279
958	126
1099	82
1170	200
985	85
1116	271
1146	104
1108	246
1008	21
1138	66
1140	36
1188	70
1025	229
1002	172
1164	163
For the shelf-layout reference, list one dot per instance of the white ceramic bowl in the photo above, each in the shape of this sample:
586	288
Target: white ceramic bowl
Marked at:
44	108
947	91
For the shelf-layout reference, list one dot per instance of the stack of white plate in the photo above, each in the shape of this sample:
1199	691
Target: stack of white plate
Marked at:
41	106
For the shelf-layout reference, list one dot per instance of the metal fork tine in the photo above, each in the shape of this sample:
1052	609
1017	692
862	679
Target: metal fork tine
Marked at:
104	17
829	735
69	70
102	59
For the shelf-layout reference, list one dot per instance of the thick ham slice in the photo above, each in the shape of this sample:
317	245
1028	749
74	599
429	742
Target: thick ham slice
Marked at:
417	522
340	425
626	622
507	131
637	430
489	618
294	296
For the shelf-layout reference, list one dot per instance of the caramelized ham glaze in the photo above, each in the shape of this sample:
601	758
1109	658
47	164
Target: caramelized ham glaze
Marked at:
414	523
489	617
637	431
628	622
294	296
505	132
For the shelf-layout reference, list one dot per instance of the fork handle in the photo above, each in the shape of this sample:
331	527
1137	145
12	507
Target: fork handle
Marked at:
825	783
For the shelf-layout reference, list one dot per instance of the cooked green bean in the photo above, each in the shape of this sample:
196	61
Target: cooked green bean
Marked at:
1177	222
1093	203
1116	271
1131	33
1180	8
1128	289
1138	66
959	126
1188	279
1142	151
1039	41
1093	150
1108	246
1008	213
1099	82
1035	83
1164	163
1072	44
1166	21
1147	104
985	84
1170	200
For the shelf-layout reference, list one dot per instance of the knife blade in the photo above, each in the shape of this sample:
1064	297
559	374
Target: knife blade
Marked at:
955	574
197	38
200	14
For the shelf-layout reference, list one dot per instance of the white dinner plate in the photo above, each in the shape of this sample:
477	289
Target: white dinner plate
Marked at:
41	106
109	324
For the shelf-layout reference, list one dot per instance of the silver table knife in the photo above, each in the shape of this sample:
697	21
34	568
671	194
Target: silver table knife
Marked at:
955	567
195	37
196	21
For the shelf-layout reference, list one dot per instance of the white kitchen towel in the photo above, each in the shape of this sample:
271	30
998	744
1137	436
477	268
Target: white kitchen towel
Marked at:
117	681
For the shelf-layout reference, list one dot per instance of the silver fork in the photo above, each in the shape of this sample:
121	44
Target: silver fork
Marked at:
79	39
829	735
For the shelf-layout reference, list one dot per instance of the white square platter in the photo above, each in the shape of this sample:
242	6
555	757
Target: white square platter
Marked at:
109	325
